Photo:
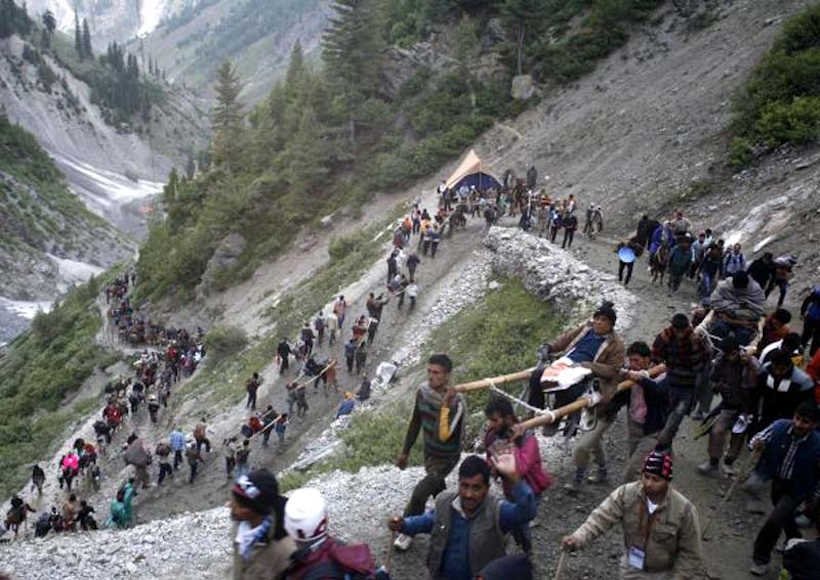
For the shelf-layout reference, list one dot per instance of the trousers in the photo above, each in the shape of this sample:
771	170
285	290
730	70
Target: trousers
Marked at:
432	484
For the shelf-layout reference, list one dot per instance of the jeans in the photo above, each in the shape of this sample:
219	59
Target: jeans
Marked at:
568	235
230	463
251	401
523	535
781	519
680	404
206	442
437	469
194	465
177	458
242	469
164	469
783	285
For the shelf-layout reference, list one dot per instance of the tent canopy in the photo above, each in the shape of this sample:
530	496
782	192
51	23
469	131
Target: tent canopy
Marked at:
469	173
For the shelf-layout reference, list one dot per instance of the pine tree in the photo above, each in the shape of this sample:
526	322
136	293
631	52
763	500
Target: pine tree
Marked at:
519	15
296	71
49	24
87	48
227	116
306	155
353	45
78	36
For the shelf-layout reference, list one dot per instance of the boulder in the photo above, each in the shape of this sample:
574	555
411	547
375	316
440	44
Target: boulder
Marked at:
523	87
225	257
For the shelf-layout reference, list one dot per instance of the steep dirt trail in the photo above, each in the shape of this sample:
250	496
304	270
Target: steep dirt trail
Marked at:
210	489
728	554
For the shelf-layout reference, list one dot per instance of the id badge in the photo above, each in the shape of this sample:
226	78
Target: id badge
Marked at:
635	558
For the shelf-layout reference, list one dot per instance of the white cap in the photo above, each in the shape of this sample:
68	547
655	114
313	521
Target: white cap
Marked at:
306	515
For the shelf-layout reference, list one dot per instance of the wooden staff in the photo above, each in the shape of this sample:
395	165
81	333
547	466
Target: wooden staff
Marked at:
560	568
554	415
742	474
389	550
494	381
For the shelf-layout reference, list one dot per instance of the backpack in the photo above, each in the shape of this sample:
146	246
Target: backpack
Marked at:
242	455
342	561
319	323
813	312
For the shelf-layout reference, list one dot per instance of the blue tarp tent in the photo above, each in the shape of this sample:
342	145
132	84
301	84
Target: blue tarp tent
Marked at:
471	173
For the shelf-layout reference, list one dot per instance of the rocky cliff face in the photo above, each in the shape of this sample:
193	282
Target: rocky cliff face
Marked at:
106	166
115	172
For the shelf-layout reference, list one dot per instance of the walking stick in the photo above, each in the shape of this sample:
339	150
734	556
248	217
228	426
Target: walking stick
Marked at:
751	460
389	551
560	568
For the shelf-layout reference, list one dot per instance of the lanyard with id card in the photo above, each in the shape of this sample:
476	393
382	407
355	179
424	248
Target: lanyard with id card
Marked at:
635	556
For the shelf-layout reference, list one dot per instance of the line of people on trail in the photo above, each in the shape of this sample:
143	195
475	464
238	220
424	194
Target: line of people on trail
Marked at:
675	252
661	527
315	367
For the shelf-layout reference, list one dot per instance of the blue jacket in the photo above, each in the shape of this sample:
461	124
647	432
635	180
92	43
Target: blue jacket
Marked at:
456	565
656	395
806	472
346	407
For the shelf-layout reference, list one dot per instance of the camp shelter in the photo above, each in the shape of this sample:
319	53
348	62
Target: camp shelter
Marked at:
470	172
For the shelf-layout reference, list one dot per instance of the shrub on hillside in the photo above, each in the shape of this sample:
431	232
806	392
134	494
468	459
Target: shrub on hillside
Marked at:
781	101
224	341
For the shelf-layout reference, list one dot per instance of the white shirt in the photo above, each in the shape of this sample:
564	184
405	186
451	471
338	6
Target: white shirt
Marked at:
650	506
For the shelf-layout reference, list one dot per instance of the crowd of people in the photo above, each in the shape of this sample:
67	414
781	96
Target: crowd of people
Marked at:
767	378
732	346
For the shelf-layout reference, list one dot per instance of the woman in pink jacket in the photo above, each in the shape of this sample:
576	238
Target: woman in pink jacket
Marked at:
499	440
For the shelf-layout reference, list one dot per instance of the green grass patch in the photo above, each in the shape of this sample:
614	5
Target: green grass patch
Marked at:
498	335
42	368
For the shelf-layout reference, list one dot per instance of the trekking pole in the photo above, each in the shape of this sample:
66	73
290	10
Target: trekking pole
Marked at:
751	460
560	568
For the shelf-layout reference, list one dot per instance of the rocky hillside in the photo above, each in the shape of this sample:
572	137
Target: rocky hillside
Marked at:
49	241
113	20
647	131
110	158
255	34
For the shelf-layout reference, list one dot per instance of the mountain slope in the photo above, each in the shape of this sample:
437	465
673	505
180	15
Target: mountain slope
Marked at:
48	239
256	34
112	20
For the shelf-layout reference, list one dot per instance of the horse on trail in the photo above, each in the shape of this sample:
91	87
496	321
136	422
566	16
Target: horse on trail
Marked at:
658	263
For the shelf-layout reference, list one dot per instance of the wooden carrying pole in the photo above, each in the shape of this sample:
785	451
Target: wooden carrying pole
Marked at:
494	381
554	415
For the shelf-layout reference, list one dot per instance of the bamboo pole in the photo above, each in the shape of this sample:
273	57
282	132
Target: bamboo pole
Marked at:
494	381
554	415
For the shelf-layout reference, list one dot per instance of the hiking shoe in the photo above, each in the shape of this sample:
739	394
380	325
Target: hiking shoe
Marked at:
697	416
707	468
759	569
728	470
573	487
599	477
402	542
